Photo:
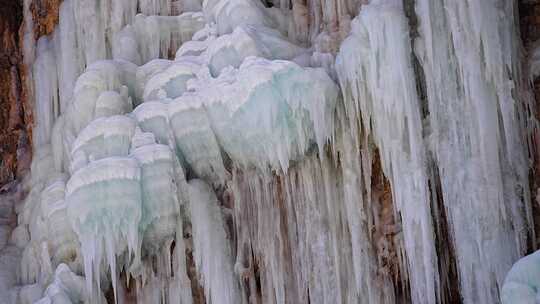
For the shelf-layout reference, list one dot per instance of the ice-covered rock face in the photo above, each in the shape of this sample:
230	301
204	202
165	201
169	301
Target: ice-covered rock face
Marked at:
379	44
243	150
152	37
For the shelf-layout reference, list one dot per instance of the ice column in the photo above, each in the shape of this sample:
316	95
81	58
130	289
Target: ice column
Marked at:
378	82
469	55
212	252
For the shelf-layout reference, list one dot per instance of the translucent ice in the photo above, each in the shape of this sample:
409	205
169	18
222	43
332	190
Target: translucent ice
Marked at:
212	252
152	37
152	116
228	14
293	118
160	206
373	58
245	41
68	288
105	137
468	52
104	203
243	156
522	281
170	83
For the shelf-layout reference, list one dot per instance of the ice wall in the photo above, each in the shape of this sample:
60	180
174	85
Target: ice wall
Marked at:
245	151
474	72
375	55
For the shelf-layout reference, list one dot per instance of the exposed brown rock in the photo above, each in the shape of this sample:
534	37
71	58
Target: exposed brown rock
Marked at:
324	23
16	110
197	291
45	14
13	138
446	255
386	231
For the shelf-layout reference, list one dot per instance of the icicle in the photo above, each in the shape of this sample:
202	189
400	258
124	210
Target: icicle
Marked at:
212	252
104	207
47	106
469	56
242	98
375	58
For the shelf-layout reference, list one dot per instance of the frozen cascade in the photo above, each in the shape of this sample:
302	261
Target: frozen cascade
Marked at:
265	151
293	246
377	53
486	197
211	250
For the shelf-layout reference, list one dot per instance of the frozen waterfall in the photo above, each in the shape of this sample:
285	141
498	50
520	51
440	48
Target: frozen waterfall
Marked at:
265	151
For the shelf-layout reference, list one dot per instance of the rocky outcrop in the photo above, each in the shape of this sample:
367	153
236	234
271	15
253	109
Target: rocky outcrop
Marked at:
45	14
15	96
13	134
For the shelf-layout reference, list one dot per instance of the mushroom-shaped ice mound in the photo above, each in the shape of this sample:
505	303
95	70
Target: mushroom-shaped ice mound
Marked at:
522	283
228	14
195	139
101	76
268	112
102	138
193	48
160	207
146	72
142	139
172	82
67	288
110	103
245	41
104	205
63	243
152	117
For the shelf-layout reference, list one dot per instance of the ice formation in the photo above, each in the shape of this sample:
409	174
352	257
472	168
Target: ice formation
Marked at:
365	65
521	283
477	78
211	249
246	151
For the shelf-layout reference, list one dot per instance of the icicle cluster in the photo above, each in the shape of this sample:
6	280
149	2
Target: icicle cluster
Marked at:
287	154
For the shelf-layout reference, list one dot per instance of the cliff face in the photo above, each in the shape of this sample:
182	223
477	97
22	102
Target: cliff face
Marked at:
16	110
45	14
13	133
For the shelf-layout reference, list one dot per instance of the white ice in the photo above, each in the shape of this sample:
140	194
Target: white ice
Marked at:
257	128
